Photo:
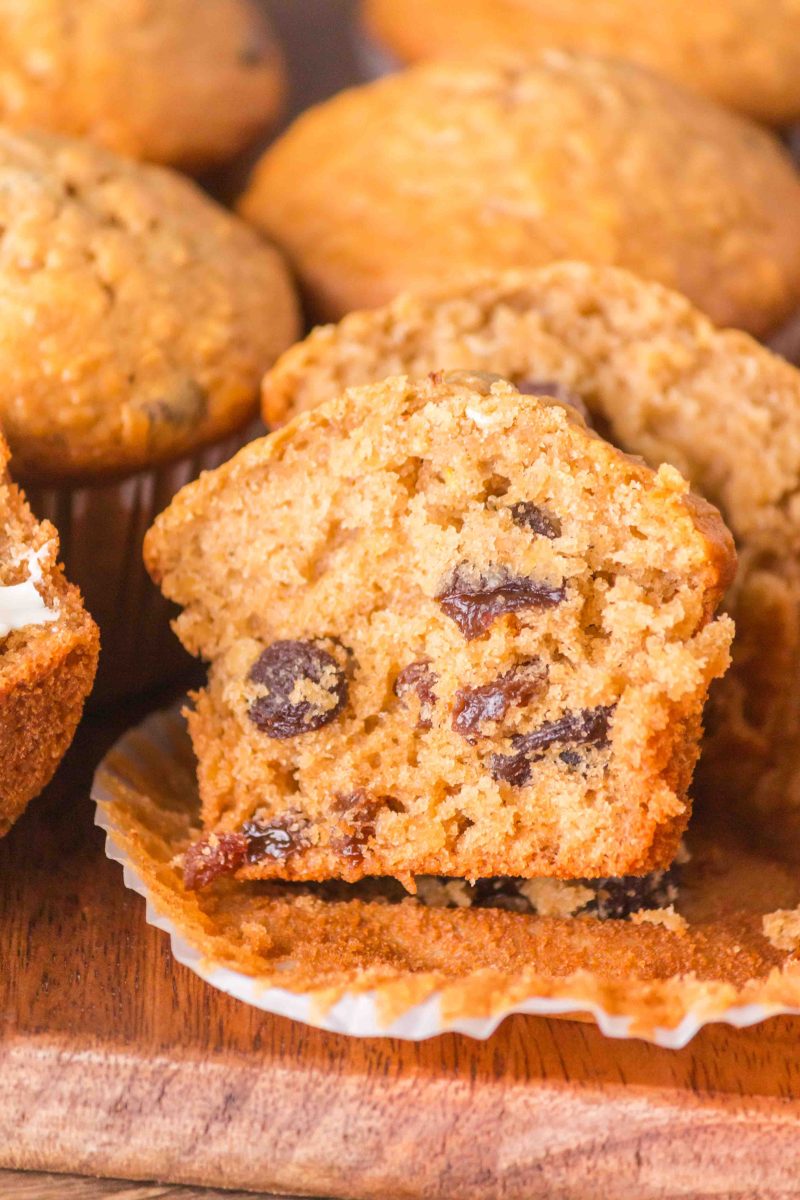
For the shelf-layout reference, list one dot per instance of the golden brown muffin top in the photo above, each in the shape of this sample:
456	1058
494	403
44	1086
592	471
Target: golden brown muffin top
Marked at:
743	53
136	316
187	82
449	168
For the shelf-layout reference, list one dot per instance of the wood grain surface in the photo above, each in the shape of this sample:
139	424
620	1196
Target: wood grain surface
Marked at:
33	1185
115	1061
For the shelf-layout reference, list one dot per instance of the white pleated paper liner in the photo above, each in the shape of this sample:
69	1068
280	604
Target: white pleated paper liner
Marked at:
151	765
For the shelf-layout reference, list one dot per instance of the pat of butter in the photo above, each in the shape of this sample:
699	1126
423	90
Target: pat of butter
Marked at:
21	604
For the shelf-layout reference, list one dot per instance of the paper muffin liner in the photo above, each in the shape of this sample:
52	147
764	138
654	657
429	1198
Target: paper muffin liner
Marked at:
101	528
371	969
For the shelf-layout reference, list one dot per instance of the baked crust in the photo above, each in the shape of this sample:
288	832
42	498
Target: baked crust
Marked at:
453	167
742	53
184	82
138	316
661	381
46	671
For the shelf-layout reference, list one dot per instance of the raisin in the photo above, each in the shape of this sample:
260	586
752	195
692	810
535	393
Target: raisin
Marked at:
614	900
617	898
556	391
358	811
570	758
418	677
184	407
588	726
491	701
276	839
282	669
215	855
528	515
474	601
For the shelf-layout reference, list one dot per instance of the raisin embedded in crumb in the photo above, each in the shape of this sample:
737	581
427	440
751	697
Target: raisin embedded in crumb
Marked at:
474	601
419	678
491	701
185	406
357	813
556	391
528	515
218	854
304	689
616	899
570	758
588	727
277	838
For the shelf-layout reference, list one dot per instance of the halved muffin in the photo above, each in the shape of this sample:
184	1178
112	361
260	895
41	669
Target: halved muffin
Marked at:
452	632
48	652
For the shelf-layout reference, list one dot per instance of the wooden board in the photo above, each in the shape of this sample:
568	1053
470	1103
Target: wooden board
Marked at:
115	1061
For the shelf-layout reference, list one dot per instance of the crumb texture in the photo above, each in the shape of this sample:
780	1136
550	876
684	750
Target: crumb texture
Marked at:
46	669
137	316
451	632
658	380
453	167
187	82
743	53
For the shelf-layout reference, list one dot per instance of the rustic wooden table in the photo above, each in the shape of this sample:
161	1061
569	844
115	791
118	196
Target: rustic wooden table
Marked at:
33	1185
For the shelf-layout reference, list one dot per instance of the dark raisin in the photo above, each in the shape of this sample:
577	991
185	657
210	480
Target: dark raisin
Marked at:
282	670
277	838
570	758
491	701
474	600
185	406
215	855
556	391
614	899
617	898
588	727
357	813
419	678
528	515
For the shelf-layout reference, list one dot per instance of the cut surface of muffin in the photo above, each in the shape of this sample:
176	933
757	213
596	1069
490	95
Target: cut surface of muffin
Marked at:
451	632
661	381
48	653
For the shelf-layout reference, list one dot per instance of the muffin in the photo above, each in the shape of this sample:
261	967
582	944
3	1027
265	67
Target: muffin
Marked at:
184	82
452	632
658	380
48	652
453	167
742	53
136	320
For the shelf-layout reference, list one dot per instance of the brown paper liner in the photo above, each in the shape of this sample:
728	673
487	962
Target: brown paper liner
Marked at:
101	528
359	966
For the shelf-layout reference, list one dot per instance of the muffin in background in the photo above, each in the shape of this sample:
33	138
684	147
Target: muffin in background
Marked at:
190	83
453	167
659	380
743	53
136	320
48	652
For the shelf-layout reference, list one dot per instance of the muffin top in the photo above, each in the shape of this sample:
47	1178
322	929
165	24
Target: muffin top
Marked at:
453	167
743	53
188	82
136	316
